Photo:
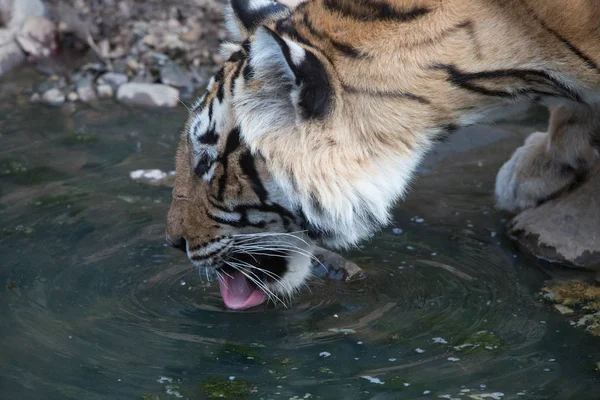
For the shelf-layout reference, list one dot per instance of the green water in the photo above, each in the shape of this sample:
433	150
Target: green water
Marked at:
93	305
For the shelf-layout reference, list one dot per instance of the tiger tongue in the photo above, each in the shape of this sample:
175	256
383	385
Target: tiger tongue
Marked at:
238	293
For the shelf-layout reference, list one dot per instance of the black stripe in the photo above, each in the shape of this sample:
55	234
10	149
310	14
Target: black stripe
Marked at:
586	59
237	56
251	18
233	142
387	94
205	256
370	10
236	75
210	109
203	165
285	51
528	76
209	137
246	162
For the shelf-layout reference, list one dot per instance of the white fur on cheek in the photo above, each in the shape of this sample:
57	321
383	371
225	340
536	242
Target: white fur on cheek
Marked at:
259	4
297	273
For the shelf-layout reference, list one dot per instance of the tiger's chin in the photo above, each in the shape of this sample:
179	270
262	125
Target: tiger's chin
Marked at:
246	281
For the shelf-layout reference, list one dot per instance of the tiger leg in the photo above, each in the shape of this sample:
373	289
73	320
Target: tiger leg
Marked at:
550	163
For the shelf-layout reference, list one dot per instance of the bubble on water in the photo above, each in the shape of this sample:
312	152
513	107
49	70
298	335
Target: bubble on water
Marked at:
397	231
427	392
420	351
392	359
453	359
182	282
324	354
439	340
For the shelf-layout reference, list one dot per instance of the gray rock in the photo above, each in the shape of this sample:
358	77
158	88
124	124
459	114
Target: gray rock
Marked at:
104	91
53	97
173	75
148	95
85	89
113	79
37	37
14	13
566	229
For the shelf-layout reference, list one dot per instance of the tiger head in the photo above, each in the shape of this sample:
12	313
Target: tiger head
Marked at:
227	212
266	165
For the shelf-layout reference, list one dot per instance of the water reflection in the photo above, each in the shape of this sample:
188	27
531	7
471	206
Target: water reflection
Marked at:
94	305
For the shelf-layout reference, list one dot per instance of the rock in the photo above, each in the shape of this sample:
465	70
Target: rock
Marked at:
104	91
564	309
132	64
113	79
173	75
14	14
11	55
192	35
35	98
85	89
53	97
565	229
72	96
148	95
37	37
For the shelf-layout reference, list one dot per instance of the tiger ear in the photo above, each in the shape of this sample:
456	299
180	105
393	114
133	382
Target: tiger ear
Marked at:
243	17
286	68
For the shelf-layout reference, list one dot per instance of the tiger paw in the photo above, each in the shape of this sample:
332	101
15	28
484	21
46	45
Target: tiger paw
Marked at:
531	176
333	266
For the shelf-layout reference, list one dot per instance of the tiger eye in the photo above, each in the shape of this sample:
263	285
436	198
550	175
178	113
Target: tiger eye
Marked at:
203	166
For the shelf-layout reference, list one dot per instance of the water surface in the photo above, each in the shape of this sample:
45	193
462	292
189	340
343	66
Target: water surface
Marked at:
94	306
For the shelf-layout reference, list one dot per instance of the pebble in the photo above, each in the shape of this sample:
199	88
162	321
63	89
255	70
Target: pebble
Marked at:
104	91
72	96
148	95
53	97
85	90
173	75
113	79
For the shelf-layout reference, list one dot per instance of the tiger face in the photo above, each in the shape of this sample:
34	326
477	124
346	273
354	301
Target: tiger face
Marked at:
227	214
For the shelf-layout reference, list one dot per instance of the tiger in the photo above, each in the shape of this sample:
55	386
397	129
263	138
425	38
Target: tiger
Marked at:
314	126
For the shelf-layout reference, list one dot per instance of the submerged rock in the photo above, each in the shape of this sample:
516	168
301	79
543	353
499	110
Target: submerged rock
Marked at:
577	298
566	229
148	95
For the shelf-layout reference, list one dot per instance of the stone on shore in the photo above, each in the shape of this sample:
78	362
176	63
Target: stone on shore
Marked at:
565	229
148	95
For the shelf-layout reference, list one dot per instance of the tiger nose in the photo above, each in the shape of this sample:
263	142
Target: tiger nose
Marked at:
178	243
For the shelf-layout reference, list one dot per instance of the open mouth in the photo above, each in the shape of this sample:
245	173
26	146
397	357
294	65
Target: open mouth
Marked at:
238	286
239	292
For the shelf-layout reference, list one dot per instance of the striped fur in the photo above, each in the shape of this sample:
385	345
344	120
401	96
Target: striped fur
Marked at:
340	100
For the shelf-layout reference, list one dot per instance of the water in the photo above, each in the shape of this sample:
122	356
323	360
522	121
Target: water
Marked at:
94	306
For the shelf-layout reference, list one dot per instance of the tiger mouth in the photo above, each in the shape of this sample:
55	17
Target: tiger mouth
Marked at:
245	285
238	291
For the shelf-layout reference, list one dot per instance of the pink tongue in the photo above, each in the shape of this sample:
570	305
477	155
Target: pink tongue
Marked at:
238	293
